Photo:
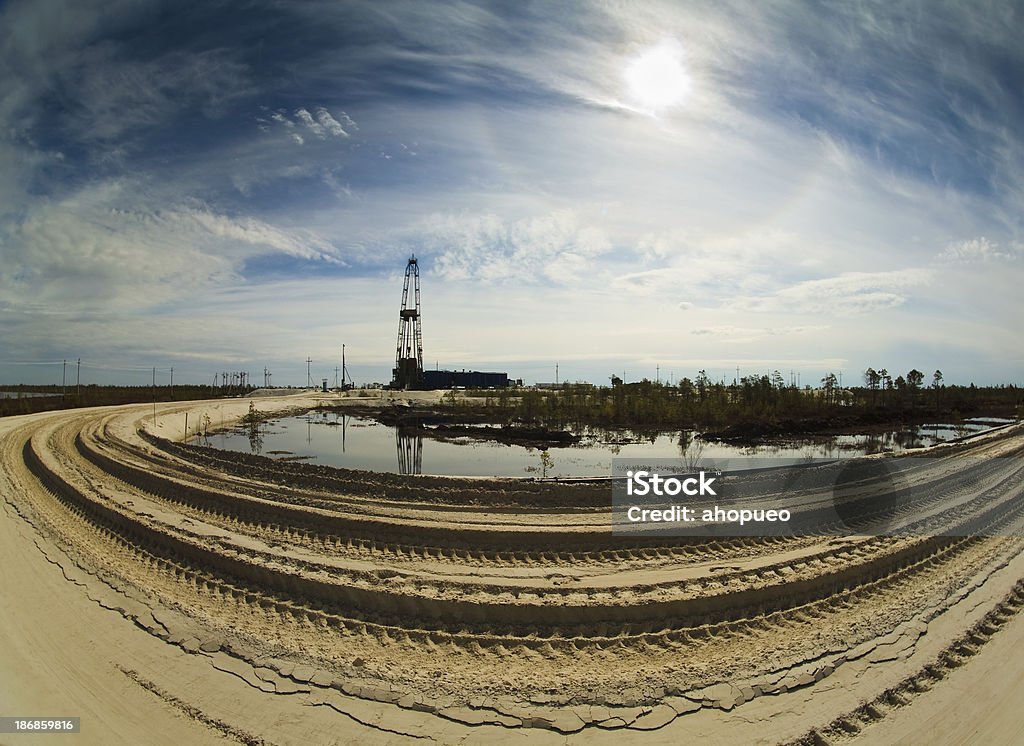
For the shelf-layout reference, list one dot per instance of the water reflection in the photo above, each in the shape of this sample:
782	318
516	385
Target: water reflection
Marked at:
410	452
254	432
336	439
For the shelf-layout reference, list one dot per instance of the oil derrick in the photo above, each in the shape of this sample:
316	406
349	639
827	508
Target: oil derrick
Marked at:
408	372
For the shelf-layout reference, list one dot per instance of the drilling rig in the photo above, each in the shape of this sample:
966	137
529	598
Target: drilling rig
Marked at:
408	371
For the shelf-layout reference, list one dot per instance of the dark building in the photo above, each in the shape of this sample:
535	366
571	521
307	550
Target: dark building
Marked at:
465	379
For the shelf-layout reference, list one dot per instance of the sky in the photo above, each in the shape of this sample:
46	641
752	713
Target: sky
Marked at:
642	189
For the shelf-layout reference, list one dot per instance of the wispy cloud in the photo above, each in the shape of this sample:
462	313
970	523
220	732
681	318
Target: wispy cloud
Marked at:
554	247
92	251
848	293
321	125
980	249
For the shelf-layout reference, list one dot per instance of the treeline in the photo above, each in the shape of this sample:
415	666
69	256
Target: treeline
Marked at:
22	399
764	403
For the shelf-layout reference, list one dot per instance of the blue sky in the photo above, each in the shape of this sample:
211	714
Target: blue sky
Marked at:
649	188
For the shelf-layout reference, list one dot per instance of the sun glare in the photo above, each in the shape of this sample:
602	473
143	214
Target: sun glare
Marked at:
657	80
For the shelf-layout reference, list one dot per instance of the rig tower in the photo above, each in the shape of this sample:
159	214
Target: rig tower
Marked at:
408	372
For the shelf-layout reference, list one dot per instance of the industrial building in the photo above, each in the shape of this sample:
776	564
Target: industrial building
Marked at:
408	372
463	379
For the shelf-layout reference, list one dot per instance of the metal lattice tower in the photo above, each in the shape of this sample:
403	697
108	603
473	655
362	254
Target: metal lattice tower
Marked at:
408	372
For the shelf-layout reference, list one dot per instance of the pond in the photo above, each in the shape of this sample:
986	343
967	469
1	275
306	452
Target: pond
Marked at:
336	439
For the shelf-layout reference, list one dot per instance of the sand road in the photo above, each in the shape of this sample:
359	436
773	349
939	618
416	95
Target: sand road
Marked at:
165	593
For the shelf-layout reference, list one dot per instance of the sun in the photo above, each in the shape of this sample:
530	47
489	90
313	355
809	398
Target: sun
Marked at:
657	80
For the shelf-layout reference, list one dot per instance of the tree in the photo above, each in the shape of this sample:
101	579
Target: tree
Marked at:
901	388
546	462
915	379
937	388
829	383
872	379
703	383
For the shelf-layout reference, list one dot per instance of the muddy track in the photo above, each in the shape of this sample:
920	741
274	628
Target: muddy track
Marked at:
403	584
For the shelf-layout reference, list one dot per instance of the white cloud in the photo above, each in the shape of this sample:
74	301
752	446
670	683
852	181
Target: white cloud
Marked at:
322	126
738	334
307	119
848	293
555	245
329	123
103	248
980	249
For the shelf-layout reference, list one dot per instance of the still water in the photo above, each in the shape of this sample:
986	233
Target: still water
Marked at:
335	439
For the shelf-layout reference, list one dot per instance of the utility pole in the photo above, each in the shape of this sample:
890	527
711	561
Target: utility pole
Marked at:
154	395
172	384
309	377
64	381
335	376
78	380
657	373
556	374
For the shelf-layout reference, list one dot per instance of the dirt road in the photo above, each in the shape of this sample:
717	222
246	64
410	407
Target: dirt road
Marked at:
166	593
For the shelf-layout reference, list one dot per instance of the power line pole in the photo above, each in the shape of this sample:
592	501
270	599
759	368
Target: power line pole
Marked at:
344	370
172	384
78	380
64	381
309	377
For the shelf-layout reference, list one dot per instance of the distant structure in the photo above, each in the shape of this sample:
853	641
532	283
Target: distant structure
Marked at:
408	372
463	379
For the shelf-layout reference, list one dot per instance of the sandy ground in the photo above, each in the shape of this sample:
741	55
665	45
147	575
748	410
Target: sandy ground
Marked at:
169	595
